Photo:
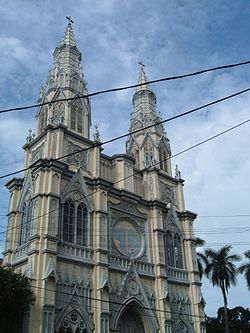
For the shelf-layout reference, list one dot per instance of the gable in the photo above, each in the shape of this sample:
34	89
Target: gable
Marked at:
77	190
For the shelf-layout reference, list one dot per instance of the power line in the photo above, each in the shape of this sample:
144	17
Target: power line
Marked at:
100	144
147	168
127	87
118	303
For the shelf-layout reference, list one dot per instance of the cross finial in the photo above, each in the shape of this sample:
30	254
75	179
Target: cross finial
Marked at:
69	19
141	63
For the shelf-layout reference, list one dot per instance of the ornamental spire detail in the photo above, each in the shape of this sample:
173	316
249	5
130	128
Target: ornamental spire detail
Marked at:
66	80
149	146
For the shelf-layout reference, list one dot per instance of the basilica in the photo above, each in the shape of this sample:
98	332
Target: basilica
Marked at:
106	241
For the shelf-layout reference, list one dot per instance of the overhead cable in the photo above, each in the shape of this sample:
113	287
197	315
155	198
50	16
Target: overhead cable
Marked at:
99	144
170	78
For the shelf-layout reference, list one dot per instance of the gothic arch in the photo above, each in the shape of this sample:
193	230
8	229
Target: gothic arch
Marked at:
146	316
132	296
73	319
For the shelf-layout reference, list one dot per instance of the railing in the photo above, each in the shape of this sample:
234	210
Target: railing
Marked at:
21	252
177	274
74	251
123	264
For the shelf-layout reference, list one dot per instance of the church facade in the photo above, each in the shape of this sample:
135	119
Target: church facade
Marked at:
106	241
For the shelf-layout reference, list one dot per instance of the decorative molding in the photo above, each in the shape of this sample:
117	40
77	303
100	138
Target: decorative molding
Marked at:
80	156
167	193
77	190
37	153
132	292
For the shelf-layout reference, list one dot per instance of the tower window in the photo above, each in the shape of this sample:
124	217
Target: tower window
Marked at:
81	233
75	223
25	226
149	155
163	157
43	119
76	119
173	250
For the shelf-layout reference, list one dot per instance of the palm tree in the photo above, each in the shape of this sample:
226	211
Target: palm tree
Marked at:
222	271
245	268
201	258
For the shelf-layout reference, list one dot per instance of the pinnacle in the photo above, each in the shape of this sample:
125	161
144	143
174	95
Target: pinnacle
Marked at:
142	79
69	38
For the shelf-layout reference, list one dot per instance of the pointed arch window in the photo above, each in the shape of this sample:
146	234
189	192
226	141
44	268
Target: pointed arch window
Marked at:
148	155
61	80
58	113
163	157
75	83
25	225
81	232
43	119
76	119
68	221
75	223
173	249
178	251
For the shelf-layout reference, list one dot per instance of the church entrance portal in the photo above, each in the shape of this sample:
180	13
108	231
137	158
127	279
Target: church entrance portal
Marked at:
130	322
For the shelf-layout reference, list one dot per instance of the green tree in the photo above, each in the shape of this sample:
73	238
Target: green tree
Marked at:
201	258
222	272
245	268
15	299
238	319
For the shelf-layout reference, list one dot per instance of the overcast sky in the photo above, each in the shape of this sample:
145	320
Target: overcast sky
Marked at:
171	38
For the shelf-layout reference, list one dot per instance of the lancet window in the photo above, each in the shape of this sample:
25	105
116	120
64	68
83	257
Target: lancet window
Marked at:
163	159
76	119
148	155
58	114
25	225
75	223
43	119
173	249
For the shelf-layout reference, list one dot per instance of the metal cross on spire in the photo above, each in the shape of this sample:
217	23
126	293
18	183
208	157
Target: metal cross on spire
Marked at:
69	19
141	63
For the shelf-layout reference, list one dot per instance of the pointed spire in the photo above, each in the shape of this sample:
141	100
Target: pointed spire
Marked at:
68	38
142	79
144	100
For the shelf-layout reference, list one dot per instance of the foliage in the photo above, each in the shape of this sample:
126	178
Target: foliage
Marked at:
245	268
238	319
15	298
201	258
222	272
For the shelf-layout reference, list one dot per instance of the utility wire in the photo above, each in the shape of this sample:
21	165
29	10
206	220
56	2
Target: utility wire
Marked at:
147	168
118	303
127	87
100	144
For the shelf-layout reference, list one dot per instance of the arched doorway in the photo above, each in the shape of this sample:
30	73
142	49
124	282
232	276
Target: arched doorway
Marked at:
130	322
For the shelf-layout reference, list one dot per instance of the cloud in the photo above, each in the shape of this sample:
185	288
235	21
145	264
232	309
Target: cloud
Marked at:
171	37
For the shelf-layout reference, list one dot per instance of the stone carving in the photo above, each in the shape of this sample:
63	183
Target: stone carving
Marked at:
96	134
171	219
167	193
30	137
37	153
177	172
131	292
77	159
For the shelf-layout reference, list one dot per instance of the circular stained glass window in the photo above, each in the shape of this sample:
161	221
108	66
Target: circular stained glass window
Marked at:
127	239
